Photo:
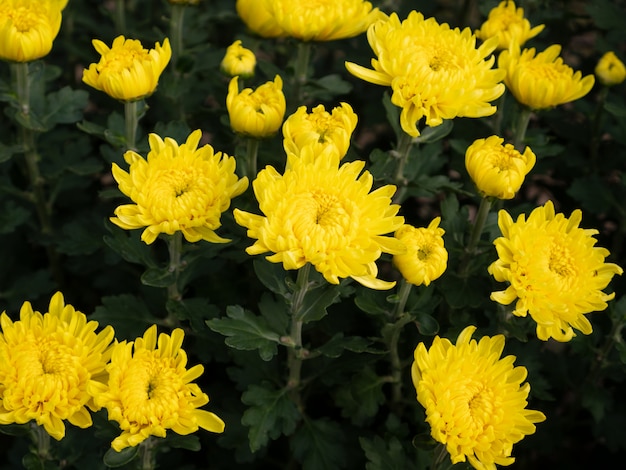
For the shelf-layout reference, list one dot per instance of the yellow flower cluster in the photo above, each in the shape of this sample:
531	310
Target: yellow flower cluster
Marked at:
475	400
425	258
323	20
48	362
126	71
259	17
238	61
435	72
507	23
150	390
256	113
177	188
610	70
498	170
321	213
542	80
554	270
320	129
28	28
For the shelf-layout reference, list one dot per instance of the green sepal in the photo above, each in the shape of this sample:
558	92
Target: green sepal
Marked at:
113	459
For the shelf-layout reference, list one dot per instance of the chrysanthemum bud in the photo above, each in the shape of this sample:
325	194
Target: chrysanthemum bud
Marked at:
610	70
238	61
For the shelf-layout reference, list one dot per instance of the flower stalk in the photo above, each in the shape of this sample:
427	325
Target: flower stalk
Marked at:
401	319
131	116
175	249
301	71
147	451
119	17
252	150
401	153
596	129
523	118
477	230
176	31
42	443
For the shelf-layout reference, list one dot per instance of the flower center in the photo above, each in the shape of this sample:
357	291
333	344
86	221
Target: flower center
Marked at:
329	210
561	261
123	58
552	71
481	405
23	19
423	252
502	159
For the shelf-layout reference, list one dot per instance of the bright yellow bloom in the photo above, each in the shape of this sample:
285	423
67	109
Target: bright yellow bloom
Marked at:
256	113
126	70
542	81
259	18
150	390
320	129
425	258
28	28
47	364
508	24
498	170
475	401
610	70
238	61
555	272
177	188
324	20
434	72
323	214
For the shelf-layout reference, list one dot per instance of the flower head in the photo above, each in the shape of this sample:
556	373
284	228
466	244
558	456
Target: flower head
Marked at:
238	61
321	213
497	170
150	390
508	24
324	20
259	18
28	28
554	271
434	72
320	129
126	71
425	258
610	70
542	80
256	113
475	401
177	188
47	364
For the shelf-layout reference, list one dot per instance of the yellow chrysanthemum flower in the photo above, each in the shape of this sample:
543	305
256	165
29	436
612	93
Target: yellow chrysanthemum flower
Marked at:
498	170
320	129
324	20
507	23
435	72
28	28
238	61
542	81
555	272
610	70
256	113
475	401
259	18
425	258
324	214
150	390
177	188
47	364
126	71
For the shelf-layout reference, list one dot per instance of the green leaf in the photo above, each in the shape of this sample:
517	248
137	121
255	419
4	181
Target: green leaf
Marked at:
113	459
361	396
127	314
65	106
247	332
326	88
433	134
372	301
7	151
338	343
189	442
382	455
158	277
616	110
195	310
319	445
393	114
271	275
427	325
129	246
79	238
316	302
15	429
12	216
592	192
383	165
271	414
275	312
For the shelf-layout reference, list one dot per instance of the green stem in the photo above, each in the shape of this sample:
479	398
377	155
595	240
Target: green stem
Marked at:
477	230
147	450
42	442
301	72
401	153
31	160
401	319
252	151
131	116
294	353
120	17
523	118
439	456
596	130
176	31
175	248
